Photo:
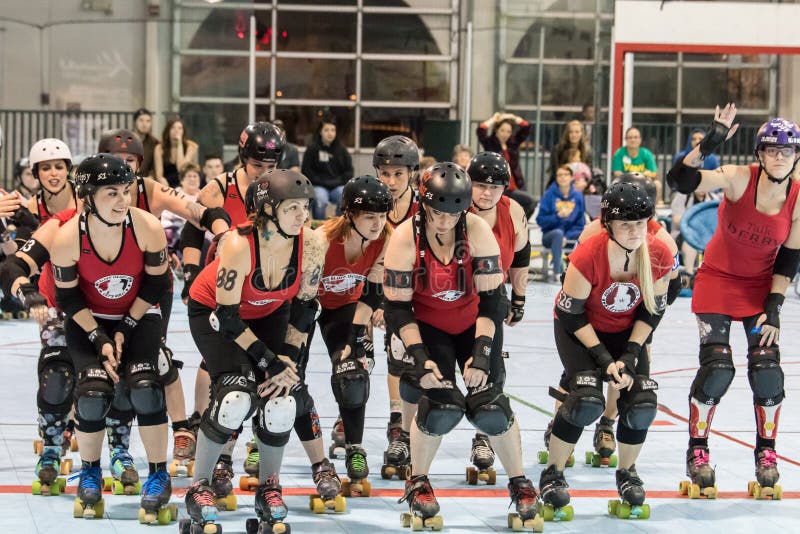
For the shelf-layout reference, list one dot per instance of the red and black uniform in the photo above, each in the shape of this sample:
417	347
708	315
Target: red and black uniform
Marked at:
234	199
504	232
141	195
41	207
413	208
47	286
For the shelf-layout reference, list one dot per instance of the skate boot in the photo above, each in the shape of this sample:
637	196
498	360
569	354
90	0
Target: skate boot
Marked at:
270	509
523	495
201	510
124	478
631	492
397	458
482	457
185	441
544	456
701	475
328	488
554	504
422	505
337	448
222	485
47	469
357	470
155	507
604	445
249	482
766	482
89	503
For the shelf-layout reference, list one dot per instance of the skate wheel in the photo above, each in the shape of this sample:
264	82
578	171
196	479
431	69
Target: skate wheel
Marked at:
38	447
492	478
683	487
777	493
165	516
711	493
434	523
541	457
57	487
36	487
405	519
190	469
416	523
339	504
387	472
117	488
73	445
571	460
590	458
612	507
644	512
514	522
66	466
472	476
21	315
346	487
173	468
145	518
210	528
317	506
366	488
623	510
613	460
694	491
244	485
405	473
281	528
251	526
536	524
227	503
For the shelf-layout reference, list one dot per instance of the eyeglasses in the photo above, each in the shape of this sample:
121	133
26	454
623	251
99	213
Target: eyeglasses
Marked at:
773	151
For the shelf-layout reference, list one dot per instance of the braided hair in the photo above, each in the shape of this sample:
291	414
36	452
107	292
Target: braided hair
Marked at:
459	253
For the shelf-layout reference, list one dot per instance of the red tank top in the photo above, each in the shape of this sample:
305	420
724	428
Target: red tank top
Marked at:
47	286
234	200
110	287
141	195
503	231
653	227
413	208
342	282
740	257
611	305
440	303
41	207
256	301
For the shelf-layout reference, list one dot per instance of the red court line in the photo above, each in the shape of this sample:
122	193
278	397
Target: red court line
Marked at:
669	412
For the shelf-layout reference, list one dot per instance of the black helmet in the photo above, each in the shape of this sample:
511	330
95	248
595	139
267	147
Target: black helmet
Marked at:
639	179
274	186
489	168
396	150
445	187
116	141
366	193
261	141
625	202
20	166
101	170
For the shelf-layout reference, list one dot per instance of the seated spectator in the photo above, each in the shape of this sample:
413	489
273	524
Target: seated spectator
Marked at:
212	167
561	216
172	223
328	165
175	151
572	148
291	156
633	157
497	134
462	155
681	203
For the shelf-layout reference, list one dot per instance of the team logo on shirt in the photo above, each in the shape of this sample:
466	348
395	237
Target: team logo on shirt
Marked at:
620	297
114	286
449	295
342	283
262	302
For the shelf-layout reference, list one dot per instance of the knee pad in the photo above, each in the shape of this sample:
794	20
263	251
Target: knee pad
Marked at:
350	383
489	411
146	390
275	420
233	400
93	394
410	391
715	374
122	398
397	359
56	381
440	409
765	375
167	369
638	407
303	400
585	402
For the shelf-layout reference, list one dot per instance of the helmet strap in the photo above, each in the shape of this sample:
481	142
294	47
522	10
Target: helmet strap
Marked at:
353	226
274	218
627	250
482	209
93	211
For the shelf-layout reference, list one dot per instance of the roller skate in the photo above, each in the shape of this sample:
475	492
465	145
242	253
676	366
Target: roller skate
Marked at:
554	503
397	458
48	469
701	475
523	495
68	444
183	450
357	470
201	510
89	502
543	456
155	507
249	482
482	457
630	505
12	308
422	505
766	483
337	448
604	445
222	485
270	509
124	478
328	488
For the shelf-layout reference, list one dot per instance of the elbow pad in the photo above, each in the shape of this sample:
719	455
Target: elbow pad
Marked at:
227	321
70	300
786	262
652	319
522	257
493	304
12	268
211	215
571	312
673	290
154	286
192	237
398	314
683	178
372	295
302	314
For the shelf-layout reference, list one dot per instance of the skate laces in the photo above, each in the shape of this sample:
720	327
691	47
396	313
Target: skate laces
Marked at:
50	457
700	457
358	461
155	483
252	458
203	497
90	477
420	489
182	441
522	490
122	457
768	458
397	447
480	447
273	498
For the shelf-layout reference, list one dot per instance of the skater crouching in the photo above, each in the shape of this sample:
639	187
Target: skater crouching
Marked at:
613	296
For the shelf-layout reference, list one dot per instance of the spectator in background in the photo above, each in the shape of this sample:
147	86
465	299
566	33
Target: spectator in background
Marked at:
143	127
175	151
561	216
328	165
572	148
212	167
633	157
24	182
497	135
681	203
587	118
291	156
709	163
462	155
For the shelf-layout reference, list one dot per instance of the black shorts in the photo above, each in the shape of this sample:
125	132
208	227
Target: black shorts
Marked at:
334	326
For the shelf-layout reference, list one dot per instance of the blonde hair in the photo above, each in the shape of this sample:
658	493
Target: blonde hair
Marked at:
646	284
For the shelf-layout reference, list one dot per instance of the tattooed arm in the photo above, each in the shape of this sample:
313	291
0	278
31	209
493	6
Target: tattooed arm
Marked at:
313	262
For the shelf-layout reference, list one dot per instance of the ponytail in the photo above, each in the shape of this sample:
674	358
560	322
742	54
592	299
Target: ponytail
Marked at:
645	273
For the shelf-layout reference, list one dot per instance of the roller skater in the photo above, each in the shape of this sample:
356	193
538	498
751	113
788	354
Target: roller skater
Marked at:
554	505
270	509
523	496
155	507
397	458
604	445
357	471
423	507
185	440
221	482
753	270
201	509
631	492
124	477
249	482
47	469
328	489
89	503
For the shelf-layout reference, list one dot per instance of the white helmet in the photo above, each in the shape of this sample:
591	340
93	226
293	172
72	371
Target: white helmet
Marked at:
48	149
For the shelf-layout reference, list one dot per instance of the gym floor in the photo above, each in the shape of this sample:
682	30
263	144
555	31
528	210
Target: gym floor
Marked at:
532	367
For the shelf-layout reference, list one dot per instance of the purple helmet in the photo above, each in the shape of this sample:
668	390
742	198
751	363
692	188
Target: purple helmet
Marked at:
778	132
